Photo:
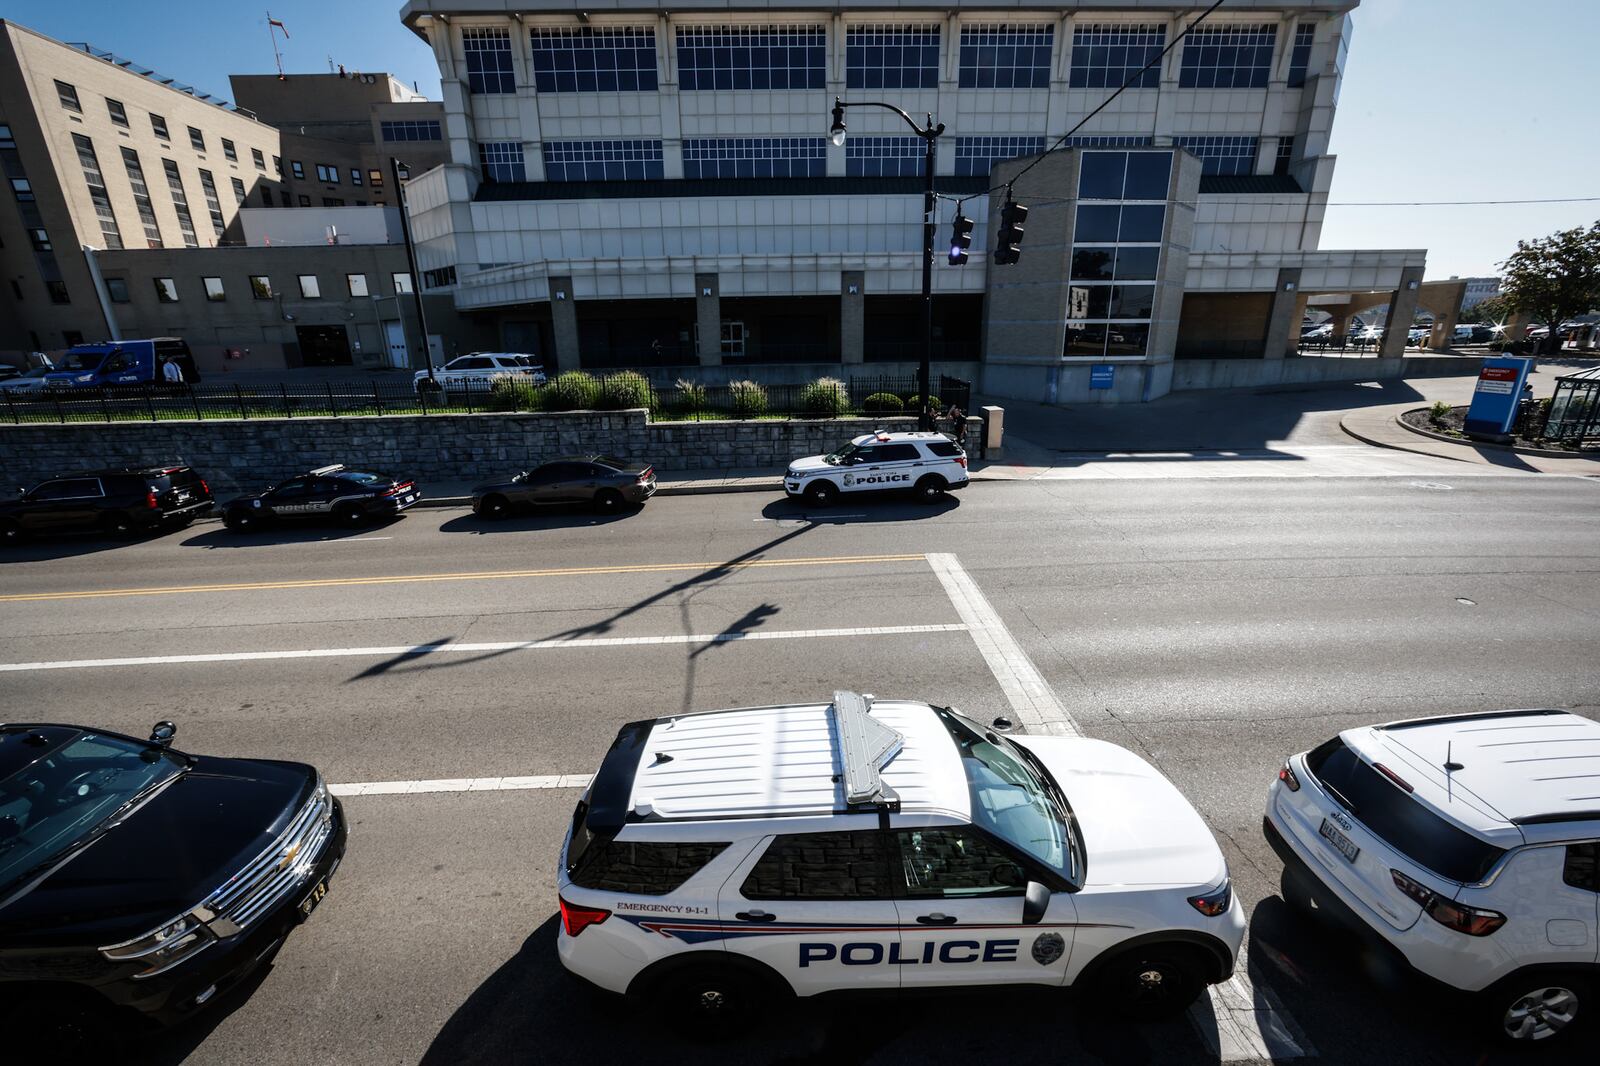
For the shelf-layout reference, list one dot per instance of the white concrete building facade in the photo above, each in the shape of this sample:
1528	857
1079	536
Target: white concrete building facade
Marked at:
653	184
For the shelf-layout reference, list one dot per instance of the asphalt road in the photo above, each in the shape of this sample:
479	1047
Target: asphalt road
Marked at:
1213	625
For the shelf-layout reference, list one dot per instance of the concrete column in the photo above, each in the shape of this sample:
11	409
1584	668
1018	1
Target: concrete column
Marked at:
1402	309
564	324
852	316
1516	327
1341	321
708	319
1283	327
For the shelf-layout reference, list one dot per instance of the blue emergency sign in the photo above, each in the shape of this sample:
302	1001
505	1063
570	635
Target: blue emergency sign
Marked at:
1102	375
1494	401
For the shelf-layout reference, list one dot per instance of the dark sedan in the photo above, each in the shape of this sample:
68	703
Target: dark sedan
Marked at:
603	482
140	882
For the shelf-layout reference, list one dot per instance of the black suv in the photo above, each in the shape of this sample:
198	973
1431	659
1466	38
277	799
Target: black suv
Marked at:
122	503
349	497
212	862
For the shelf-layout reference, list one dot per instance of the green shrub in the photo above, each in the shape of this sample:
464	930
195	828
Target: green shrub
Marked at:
1439	412
826	397
883	403
625	389
746	399
688	398
572	391
914	405
511	394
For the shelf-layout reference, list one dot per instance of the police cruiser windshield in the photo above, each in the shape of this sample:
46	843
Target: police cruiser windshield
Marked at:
840	457
83	360
1014	798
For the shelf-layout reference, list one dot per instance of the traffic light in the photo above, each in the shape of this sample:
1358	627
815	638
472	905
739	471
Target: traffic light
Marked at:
960	239
1012	216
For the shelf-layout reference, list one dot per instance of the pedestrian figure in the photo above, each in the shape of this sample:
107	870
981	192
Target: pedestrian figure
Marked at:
171	372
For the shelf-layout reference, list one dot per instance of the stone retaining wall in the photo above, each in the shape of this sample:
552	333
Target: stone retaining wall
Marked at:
234	454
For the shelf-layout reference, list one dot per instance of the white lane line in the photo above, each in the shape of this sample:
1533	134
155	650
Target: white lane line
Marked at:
418	650
460	784
1243	1023
354	540
1025	688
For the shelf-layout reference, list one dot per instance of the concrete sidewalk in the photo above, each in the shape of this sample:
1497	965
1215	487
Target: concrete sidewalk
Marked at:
1380	427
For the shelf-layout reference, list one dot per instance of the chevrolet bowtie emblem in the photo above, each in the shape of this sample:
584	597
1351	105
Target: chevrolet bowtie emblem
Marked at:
288	857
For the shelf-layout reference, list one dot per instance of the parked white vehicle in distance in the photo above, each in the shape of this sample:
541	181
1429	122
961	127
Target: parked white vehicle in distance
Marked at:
28	381
479	370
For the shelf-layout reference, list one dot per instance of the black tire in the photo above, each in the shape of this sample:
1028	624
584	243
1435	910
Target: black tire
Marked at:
1540	1008
350	516
494	507
715	1001
822	494
1149	983
118	526
608	501
241	521
11	532
930	488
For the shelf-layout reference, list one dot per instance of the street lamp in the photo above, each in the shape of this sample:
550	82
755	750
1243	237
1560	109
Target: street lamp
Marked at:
930	136
397	168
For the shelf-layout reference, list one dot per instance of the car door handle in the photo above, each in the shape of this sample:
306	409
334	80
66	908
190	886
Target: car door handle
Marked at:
936	919
756	916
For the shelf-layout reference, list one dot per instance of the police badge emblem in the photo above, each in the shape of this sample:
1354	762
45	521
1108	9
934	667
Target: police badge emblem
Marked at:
849	479
1048	947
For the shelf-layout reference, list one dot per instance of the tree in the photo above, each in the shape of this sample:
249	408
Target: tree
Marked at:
1554	277
1493	310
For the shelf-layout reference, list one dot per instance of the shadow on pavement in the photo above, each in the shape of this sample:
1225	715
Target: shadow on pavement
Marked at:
574	517
53	546
176	1045
289	532
852	511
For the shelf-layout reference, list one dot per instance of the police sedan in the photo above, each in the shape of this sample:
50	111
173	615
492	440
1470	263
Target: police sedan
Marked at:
350	498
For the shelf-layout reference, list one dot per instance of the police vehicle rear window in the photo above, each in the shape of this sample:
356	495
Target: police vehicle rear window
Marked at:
895	453
944	449
821	866
1398	819
642	868
360	478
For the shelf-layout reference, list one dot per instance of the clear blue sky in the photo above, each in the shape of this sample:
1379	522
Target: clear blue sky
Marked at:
1442	100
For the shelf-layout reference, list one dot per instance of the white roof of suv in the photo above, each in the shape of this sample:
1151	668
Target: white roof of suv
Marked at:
883	437
1522	769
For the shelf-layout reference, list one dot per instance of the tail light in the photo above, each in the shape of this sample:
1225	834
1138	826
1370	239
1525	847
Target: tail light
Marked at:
204	487
1215	901
961	460
1473	921
398	489
1286	775
151	502
1392	776
575	919
649	472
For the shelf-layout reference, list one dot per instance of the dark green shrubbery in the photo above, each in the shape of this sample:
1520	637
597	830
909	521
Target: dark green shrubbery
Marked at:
825	397
883	403
514	394
746	399
623	390
571	391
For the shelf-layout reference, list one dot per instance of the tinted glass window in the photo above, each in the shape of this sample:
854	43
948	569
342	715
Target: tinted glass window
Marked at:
1132	301
956	863
865	455
1582	868
1097	224
1091	264
821	866
66	490
1101	175
946	450
1137	264
641	868
473	364
1147	175
1402	822
895	453
290	489
1088	301
1142	223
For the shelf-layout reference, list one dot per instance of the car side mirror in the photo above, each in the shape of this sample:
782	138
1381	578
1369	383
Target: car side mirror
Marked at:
163	733
1035	901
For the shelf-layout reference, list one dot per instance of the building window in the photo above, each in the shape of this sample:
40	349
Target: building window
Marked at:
117	289
238	191
755	157
180	201
68	95
297	169
266	196
305	201
159	125
752	57
1006	57
166	290
488	53
208	186
892	57
229	151
58	292
332	201
258	159
975	155
1104	57
6	139
309	289
197	140
141	198
356	284
326	174
602	160
40	239
90	163
214	291
585	59
438	279
502	161
1112	140
118	113
1280	165
261	286
277	165
402	284
1300	57
375	178
355	175
1228	57
1116	252
883	157
411	130
1222	155
23	190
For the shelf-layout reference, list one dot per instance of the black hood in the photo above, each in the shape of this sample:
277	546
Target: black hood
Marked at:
166	857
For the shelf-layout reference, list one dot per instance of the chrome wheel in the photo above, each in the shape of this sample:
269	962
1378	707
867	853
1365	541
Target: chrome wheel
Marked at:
711	1001
1541	1013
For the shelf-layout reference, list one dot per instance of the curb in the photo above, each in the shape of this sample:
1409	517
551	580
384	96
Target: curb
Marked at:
1543	453
1376	443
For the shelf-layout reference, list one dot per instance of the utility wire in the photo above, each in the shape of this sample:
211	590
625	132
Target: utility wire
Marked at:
1331	203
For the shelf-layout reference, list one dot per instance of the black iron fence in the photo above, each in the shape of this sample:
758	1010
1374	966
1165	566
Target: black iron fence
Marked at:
872	395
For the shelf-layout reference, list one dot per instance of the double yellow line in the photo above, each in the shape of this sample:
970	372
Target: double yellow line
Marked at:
467	575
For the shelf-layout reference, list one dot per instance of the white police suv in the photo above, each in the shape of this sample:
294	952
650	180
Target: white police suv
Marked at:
478	371
1465	849
928	464
724	857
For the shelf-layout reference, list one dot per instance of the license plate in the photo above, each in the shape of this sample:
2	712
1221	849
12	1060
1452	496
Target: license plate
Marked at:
313	898
182	497
1339	841
408	499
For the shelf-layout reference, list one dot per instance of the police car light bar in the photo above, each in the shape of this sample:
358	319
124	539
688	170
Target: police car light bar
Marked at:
865	745
322	470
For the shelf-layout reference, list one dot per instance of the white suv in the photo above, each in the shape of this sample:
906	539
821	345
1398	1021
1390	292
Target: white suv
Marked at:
928	464
1464	848
478	371
725	857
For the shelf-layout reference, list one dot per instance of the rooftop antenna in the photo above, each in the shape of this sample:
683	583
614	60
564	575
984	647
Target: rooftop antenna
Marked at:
1450	767
273	26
